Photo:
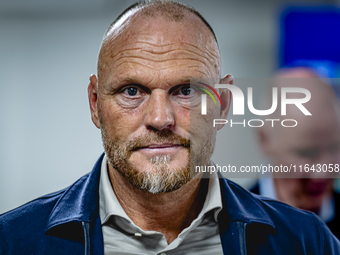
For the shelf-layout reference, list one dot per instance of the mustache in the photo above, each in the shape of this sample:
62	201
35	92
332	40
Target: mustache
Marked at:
163	136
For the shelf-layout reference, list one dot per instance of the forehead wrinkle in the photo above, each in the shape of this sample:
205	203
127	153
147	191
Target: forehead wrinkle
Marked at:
166	49
134	59
211	61
205	51
167	67
163	61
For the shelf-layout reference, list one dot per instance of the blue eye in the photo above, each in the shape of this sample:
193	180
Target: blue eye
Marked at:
132	91
185	90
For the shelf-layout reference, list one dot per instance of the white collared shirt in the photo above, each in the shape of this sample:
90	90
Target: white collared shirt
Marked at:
122	236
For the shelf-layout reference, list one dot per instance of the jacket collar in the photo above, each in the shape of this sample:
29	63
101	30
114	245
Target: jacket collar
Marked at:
80	203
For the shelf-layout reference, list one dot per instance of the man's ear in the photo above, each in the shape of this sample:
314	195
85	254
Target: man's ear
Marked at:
92	91
225	96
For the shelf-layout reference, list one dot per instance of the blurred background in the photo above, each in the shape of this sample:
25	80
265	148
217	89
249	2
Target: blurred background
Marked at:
48	50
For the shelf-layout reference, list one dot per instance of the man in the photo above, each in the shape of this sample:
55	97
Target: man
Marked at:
142	197
315	140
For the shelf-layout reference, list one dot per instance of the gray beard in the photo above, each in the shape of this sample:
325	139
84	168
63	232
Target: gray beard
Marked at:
160	178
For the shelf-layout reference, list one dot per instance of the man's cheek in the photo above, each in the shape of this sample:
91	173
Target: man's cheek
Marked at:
113	118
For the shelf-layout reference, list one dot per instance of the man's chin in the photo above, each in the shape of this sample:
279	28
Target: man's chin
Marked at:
157	178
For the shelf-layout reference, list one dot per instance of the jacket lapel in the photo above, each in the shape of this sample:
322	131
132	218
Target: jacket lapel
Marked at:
79	203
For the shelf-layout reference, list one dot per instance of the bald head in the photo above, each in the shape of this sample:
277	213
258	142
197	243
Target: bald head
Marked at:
170	21
169	9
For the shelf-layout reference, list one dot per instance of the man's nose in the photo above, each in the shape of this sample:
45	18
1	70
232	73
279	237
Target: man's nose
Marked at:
160	113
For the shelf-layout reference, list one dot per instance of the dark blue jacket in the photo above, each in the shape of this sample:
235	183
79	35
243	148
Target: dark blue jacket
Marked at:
67	222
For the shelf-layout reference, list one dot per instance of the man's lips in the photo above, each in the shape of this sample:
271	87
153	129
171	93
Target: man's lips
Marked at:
160	148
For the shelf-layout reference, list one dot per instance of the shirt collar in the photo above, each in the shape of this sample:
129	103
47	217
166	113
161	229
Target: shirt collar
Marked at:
109	204
213	200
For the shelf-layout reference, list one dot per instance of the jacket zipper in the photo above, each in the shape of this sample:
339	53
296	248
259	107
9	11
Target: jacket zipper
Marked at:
86	229
241	226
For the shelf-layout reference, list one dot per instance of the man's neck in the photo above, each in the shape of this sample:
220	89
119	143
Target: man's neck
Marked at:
168	213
